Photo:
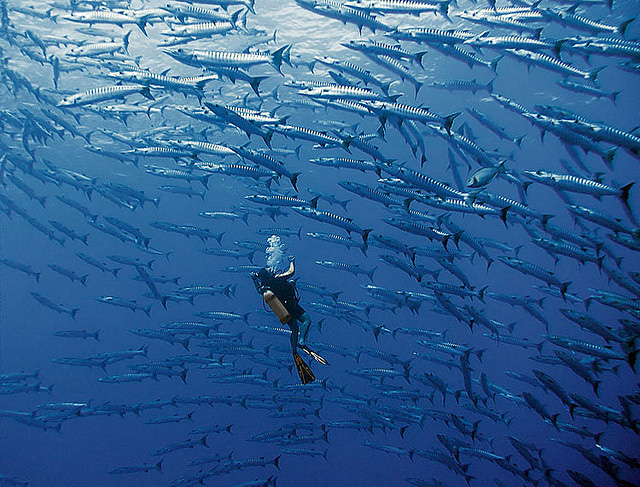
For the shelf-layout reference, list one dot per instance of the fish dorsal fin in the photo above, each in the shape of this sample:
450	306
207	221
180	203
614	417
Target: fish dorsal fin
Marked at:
572	9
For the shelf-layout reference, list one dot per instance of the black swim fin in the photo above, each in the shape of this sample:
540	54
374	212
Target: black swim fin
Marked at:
304	371
315	356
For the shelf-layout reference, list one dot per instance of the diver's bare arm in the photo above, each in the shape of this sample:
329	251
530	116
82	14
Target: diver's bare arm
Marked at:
289	272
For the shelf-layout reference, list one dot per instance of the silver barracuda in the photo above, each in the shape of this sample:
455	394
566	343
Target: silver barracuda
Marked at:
105	93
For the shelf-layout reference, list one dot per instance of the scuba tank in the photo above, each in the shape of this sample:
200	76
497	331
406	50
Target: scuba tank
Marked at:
276	306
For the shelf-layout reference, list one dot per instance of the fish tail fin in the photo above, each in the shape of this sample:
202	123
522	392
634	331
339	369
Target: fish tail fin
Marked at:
624	194
443	8
503	214
563	289
557	47
407	203
623	26
255	81
593	74
277	57
518	140
608	155
346	142
419	55
365	235
481	293
147	311
325	433
631	359
474	431
144	91
370	273
294	183
312	65
494	63
448	121
456	238
614	96
267	138
205	180
73	313
480	353
142	24
125	42
417	85
445	241
235	16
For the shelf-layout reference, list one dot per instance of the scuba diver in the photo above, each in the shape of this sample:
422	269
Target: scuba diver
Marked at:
281	296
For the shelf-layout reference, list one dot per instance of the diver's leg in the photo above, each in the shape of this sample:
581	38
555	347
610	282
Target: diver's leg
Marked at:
305	324
293	324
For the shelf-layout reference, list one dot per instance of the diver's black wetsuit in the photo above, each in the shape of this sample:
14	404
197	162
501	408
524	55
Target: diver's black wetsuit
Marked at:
299	322
286	293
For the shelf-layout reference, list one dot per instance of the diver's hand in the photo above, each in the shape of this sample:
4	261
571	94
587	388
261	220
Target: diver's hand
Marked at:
256	282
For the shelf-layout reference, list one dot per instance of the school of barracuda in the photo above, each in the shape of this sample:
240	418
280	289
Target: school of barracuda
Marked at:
458	205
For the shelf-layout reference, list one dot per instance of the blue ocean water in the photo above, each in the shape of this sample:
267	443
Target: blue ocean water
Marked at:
368	427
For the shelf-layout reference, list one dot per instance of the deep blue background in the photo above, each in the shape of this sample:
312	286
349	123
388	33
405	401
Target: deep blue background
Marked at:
87	448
